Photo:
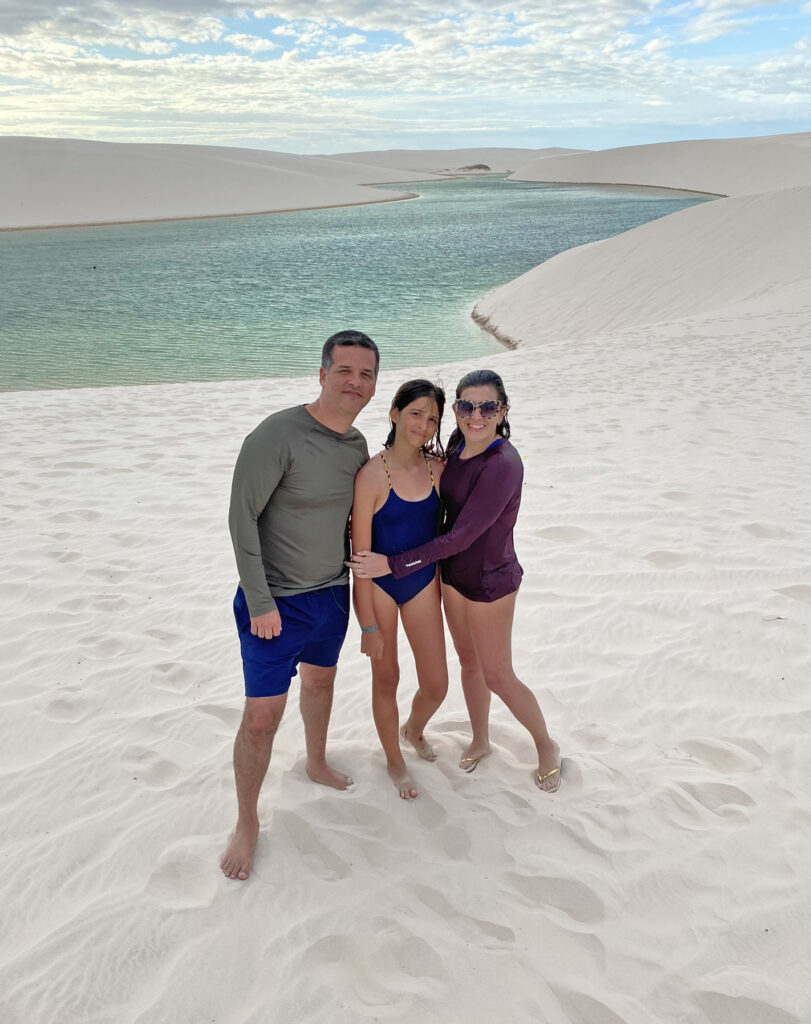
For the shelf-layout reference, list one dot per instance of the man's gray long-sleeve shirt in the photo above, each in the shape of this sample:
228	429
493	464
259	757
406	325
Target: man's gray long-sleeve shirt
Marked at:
290	503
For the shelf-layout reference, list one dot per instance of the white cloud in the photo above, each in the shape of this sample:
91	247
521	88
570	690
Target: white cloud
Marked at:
253	44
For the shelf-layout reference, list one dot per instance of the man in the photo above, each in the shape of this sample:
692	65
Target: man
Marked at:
290	503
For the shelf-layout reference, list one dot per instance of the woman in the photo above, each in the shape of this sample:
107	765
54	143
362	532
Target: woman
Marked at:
481	492
396	506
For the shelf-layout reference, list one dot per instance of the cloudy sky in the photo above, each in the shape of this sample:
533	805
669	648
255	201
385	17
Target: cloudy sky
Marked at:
342	75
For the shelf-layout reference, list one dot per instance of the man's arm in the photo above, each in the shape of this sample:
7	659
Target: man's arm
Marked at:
259	468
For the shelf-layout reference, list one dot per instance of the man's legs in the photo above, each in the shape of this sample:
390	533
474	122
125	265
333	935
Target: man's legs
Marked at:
317	685
252	748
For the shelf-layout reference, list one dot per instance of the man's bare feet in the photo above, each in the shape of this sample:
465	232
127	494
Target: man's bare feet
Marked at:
547	777
237	860
325	776
469	761
419	743
402	782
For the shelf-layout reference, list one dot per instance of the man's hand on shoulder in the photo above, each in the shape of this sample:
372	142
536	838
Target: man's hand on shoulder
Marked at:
266	626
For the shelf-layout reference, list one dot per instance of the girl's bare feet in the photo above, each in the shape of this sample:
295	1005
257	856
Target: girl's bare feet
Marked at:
419	743
403	782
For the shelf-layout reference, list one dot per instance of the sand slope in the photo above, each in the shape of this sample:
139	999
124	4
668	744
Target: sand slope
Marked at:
663	623
63	181
701	259
721	166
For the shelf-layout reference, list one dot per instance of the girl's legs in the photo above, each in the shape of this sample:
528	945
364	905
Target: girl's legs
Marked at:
477	696
385	677
422	622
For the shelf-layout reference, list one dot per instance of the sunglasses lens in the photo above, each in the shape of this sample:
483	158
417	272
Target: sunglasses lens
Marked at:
464	408
489	409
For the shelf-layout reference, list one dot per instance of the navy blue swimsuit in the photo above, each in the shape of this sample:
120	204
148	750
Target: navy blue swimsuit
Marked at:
399	525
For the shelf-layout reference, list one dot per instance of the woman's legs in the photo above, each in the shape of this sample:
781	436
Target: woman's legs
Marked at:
385	677
477	696
491	631
422	622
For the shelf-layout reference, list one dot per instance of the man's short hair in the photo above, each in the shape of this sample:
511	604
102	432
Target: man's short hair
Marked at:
356	338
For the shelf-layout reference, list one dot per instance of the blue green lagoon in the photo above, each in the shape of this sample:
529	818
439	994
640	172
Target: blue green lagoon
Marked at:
246	297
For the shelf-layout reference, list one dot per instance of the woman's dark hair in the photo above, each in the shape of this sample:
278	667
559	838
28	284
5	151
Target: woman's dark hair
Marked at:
410	392
479	379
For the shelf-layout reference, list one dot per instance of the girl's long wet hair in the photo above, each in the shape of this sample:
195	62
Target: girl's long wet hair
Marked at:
479	379
410	392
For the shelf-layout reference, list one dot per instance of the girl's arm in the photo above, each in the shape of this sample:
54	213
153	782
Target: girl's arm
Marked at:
363	508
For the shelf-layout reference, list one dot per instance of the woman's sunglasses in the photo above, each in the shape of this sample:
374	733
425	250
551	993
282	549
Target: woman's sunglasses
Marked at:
466	409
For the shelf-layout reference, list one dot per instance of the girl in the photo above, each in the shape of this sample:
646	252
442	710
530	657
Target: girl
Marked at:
481	492
396	507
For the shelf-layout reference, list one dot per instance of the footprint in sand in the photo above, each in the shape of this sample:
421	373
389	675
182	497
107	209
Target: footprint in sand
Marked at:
581	1007
176	677
569	534
666	559
149	767
724	756
718	797
454	842
103	646
230	717
316	856
436	901
183	880
576	900
724	1009
75	515
799	592
64	556
764	531
129	540
67	708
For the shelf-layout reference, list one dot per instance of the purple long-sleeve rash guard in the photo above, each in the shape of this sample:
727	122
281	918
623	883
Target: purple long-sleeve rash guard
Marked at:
481	496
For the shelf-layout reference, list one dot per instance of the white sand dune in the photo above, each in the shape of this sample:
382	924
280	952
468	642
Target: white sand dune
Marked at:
451	160
705	258
55	182
663	622
726	167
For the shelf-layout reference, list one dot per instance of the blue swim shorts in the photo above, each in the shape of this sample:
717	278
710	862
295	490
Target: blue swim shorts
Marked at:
313	630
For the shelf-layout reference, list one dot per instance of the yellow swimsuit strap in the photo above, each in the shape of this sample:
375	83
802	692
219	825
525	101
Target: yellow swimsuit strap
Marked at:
388	474
427	463
430	471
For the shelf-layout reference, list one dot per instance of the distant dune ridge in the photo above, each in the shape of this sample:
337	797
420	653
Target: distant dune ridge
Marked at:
496	159
659	399
59	182
728	167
